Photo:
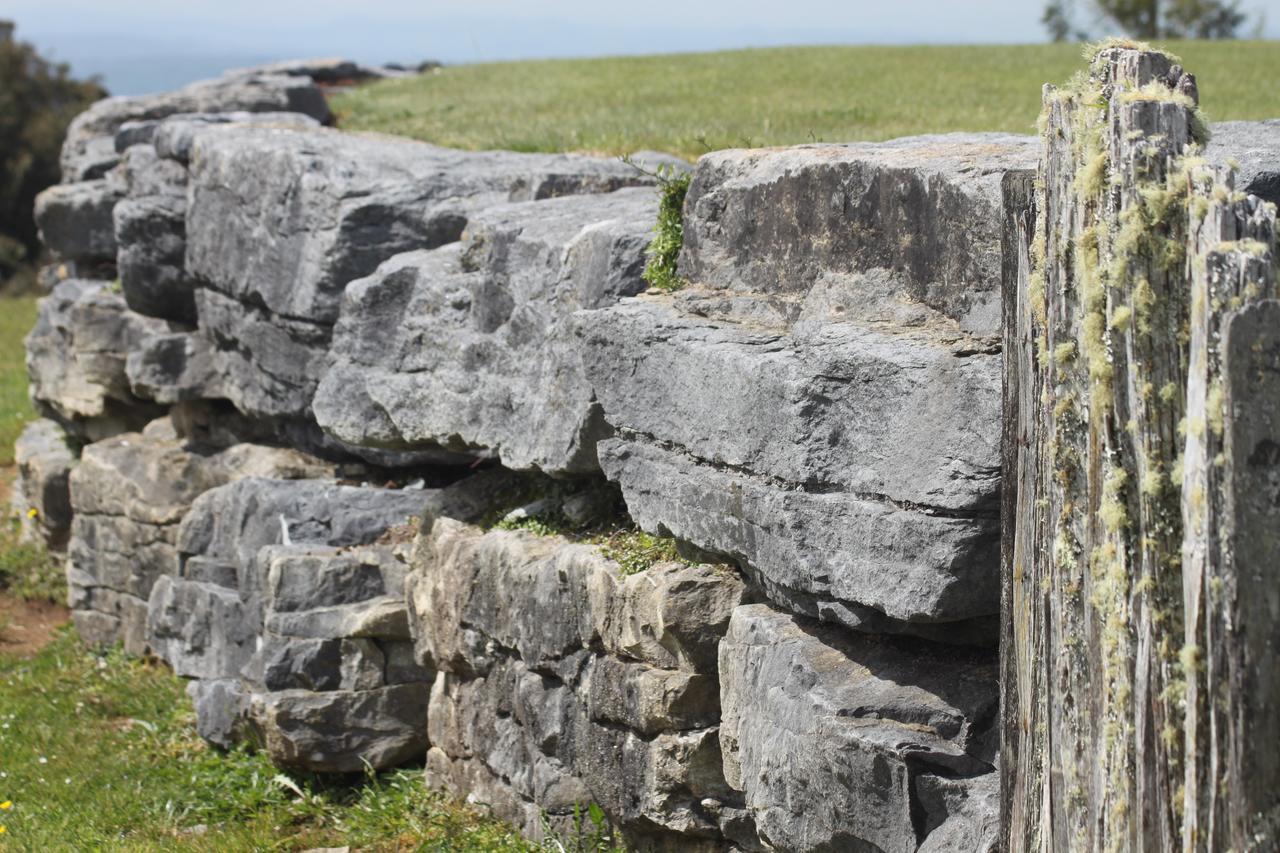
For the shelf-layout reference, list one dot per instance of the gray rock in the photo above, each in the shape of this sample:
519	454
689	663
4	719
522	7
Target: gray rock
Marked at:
305	577
75	220
471	594
565	682
1254	148
472	347
76	357
150	233
354	202
343	731
287	663
222	709
929	208
83	150
822	403
128	495
173	136
233	523
45	455
384	617
847	742
201	630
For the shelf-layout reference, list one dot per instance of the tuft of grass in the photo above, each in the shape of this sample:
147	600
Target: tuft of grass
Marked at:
17	318
619	540
691	103
99	751
668	232
27	569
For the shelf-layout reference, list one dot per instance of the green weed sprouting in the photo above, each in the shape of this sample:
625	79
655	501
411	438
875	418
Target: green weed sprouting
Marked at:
668	232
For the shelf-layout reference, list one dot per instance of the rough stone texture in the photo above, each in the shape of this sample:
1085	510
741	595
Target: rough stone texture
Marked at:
471	346
1252	148
821	403
841	742
76	357
41	496
75	220
150	232
91	132
128	495
294	624
926	208
353	202
563	682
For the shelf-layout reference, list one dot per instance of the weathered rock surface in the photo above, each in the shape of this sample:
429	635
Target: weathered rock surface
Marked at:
353	202
471	346
563	681
41	496
842	742
295	624
128	495
926	208
75	220
91	132
1253	147
822	402
76	357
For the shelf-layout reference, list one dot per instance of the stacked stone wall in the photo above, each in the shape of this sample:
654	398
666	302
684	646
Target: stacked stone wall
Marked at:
390	450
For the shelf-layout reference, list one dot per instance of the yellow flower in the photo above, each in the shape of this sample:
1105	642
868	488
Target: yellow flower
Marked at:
2	829
6	805
33	512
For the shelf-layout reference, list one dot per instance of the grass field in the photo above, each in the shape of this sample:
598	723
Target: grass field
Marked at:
100	752
16	318
691	103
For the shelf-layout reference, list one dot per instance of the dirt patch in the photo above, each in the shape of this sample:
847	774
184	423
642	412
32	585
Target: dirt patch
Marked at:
26	627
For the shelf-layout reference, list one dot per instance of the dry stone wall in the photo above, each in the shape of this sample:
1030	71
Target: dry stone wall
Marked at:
375	442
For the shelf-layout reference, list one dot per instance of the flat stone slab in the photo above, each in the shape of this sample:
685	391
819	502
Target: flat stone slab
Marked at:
848	742
285	219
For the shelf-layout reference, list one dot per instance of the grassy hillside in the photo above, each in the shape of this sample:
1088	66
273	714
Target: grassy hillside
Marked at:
691	103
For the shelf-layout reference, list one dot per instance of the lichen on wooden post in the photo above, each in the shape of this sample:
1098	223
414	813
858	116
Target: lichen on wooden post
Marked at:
1119	585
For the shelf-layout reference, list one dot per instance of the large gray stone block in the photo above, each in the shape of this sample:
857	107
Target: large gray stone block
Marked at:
928	208
845	742
92	133
76	222
285	219
821	402
76	357
471	346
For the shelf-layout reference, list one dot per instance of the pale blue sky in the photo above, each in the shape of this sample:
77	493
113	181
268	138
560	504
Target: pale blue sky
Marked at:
140	45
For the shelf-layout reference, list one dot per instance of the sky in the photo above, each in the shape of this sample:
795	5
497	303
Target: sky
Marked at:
154	45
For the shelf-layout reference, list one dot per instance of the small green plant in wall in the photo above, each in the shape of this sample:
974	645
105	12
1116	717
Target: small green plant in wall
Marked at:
668	231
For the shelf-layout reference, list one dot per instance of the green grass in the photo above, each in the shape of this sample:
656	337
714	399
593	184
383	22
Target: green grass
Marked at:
691	103
100	752
17	316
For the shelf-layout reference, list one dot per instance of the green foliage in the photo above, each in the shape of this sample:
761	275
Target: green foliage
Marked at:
1150	19
17	316
28	570
668	232
38	99
636	551
690	103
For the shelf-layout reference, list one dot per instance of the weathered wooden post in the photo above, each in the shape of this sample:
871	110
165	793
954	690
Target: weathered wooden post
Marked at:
1142	594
